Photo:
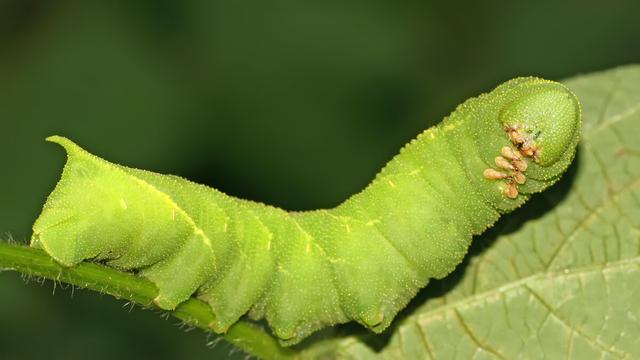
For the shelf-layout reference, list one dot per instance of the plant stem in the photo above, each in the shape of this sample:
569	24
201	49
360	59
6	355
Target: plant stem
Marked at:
34	262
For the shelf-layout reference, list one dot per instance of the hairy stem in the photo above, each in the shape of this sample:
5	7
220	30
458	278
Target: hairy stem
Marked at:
33	262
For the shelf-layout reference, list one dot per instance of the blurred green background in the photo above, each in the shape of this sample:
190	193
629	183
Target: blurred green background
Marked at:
294	103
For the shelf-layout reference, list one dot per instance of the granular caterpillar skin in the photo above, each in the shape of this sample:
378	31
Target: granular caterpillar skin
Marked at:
302	271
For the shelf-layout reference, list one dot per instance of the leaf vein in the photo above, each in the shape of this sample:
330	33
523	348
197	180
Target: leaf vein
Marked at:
552	312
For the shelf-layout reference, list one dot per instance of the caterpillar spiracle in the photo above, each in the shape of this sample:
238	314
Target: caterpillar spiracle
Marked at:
301	271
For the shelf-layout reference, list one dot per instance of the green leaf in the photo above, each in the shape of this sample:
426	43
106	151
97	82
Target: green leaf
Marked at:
560	277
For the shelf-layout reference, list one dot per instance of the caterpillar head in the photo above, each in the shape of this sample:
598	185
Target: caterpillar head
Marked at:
539	125
543	122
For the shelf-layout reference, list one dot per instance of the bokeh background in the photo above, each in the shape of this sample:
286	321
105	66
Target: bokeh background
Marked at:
295	103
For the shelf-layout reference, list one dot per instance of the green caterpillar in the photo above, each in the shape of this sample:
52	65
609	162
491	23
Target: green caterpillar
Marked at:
302	271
